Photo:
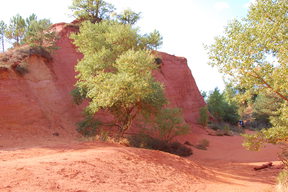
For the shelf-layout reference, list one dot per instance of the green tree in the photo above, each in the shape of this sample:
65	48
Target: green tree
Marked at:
38	34
221	109
2	34
215	103
128	17
265	107
93	10
115	73
16	29
242	52
253	55
30	19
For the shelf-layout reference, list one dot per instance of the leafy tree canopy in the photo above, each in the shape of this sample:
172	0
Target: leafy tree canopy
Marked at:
30	31
245	50
115	73
253	55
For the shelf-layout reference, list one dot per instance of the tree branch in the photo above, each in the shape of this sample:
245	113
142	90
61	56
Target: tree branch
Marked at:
268	85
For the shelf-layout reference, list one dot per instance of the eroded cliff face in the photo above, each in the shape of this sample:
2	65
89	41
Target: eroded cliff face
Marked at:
39	102
180	86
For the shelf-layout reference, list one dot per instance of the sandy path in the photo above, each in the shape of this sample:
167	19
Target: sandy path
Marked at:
60	165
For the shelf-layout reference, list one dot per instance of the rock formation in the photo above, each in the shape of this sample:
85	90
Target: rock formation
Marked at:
39	102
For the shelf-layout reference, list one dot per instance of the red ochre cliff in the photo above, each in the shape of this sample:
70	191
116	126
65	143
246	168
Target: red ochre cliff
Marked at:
39	103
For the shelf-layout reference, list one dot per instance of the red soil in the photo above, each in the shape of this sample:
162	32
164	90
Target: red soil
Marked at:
35	106
67	164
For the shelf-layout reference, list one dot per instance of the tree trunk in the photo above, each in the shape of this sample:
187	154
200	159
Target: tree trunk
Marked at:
2	39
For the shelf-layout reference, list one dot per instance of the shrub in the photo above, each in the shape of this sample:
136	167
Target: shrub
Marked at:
169	123
203	144
148	142
78	95
179	149
203	119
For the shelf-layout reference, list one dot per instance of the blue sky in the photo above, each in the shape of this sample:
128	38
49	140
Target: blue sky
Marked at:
184	24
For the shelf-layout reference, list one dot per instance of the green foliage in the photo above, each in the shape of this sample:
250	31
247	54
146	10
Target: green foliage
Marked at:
169	123
204	116
92	10
275	135
116	71
151	41
39	35
243	52
265	107
221	109
145	141
128	17
253	55
30	19
89	126
16	29
203	144
78	95
31	31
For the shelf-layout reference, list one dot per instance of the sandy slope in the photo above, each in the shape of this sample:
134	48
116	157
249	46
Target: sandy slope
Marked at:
66	165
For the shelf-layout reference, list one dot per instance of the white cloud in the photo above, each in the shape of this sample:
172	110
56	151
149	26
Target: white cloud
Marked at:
221	6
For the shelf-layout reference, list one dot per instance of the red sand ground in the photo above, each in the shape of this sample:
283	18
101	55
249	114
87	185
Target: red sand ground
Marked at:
69	165
35	106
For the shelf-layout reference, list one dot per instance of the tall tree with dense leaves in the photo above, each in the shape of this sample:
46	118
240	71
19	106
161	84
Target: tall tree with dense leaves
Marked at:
253	55
93	10
115	73
2	34
220	109
16	29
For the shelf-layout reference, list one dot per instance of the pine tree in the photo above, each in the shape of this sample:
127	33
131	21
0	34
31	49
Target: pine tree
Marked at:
16	29
93	10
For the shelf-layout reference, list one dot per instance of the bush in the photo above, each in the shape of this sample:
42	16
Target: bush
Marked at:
203	119
78	95
169	123
203	144
148	142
